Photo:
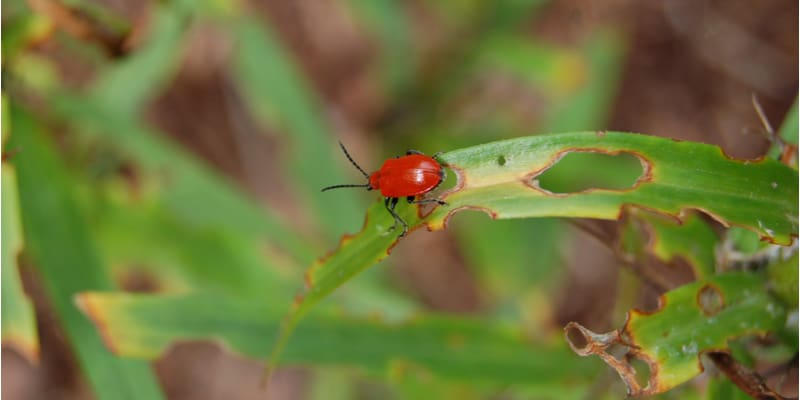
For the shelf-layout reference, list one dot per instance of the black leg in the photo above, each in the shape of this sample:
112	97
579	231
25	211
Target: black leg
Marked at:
411	151
426	201
391	203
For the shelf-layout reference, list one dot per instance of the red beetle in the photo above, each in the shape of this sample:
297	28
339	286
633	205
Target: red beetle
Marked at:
408	176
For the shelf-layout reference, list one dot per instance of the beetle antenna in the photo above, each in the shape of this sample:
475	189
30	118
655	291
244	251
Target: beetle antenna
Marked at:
354	164
366	185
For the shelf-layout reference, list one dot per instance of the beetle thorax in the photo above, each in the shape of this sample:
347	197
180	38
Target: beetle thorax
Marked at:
374	180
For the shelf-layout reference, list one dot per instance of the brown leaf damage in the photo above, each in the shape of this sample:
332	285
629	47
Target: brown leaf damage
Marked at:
695	320
710	300
604	345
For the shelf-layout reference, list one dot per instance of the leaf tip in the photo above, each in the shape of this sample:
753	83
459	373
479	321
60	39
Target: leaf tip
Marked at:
88	304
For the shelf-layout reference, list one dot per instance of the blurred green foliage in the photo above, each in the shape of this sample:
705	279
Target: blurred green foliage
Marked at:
108	203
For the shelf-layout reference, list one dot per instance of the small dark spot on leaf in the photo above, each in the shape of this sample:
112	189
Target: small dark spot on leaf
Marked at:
137	280
501	160
710	300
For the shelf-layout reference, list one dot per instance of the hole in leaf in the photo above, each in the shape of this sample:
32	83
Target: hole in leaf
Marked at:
582	170
449	181
577	338
710	300
641	371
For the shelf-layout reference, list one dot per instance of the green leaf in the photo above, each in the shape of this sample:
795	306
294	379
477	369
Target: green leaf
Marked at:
181	256
579	83
790	126
711	312
499	178
332	384
784	281
513	271
456	348
387	21
691	239
125	86
355	254
19	323
722	388
277	94
574	86
789	133
590	105
59	245
552	70
187	177
21	27
477	17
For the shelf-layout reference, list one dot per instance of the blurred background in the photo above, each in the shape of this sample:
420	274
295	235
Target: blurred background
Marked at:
193	137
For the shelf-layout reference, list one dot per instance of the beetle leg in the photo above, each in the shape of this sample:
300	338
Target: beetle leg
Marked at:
426	201
412	151
391	203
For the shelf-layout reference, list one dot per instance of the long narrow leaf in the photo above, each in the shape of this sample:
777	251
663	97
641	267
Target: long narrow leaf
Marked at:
500	179
19	324
144	326
61	249
278	94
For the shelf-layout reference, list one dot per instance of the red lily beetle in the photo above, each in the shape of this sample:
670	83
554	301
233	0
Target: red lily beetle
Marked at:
409	176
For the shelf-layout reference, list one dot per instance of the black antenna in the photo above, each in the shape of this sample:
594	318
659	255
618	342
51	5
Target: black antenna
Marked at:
366	185
366	175
343	186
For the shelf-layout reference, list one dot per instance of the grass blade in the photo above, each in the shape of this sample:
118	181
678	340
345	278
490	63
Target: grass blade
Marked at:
61	249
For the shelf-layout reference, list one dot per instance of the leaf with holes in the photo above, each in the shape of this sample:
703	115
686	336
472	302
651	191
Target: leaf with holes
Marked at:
710	312
500	178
